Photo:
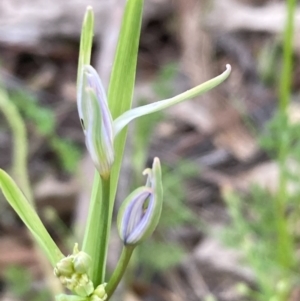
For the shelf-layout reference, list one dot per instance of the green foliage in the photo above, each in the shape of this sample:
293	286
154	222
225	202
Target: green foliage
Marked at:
19	282
259	219
274	134
263	224
253	231
44	121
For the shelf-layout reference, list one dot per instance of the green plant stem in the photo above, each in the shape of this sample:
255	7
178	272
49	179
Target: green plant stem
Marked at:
285	243
119	270
97	231
20	147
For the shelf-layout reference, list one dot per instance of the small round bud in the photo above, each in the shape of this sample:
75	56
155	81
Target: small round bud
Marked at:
84	287
64	267
82	262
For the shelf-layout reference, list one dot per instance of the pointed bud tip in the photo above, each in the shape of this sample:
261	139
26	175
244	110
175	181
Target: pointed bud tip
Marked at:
155	164
140	212
228	67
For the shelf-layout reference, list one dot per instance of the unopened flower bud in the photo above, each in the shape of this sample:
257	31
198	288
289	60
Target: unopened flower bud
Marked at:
82	285
99	293
64	267
96	120
82	262
141	210
72	273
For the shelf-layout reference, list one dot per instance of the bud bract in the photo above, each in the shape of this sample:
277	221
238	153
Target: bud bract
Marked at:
96	120
141	210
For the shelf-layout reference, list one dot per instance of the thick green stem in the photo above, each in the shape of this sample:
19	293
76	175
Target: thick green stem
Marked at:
98	227
119	270
285	242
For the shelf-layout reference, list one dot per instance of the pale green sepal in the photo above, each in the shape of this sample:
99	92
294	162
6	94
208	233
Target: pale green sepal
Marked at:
132	114
28	215
63	297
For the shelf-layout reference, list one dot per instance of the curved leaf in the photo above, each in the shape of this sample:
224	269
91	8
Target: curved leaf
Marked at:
20	204
132	114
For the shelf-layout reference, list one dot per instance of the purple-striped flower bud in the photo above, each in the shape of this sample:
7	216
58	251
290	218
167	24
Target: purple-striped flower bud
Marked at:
96	120
141	210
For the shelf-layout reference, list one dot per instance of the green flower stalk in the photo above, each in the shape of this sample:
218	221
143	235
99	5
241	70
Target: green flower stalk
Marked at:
137	219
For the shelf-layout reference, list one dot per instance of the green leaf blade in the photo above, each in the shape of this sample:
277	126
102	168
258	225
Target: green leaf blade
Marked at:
130	115
30	218
86	40
123	79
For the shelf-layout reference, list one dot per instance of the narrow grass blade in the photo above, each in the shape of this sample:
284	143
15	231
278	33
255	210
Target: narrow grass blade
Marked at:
123	79
28	215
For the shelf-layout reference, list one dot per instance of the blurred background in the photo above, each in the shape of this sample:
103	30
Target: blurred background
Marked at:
230	223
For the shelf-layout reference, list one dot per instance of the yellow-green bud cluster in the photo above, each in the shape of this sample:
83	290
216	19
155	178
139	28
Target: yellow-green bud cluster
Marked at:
99	293
72	271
